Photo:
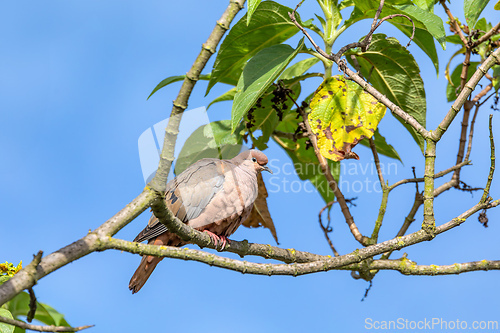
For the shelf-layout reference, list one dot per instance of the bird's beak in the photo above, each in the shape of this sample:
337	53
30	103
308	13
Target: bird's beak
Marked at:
266	168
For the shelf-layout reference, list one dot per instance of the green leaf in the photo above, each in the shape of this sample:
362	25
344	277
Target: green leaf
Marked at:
213	140
455	39
252	6
427	5
177	78
336	17
451	89
4	278
345	4
304	160
497	6
366	9
6	328
383	148
258	75
472	10
342	115
395	74
483	25
496	77
322	21
270	25
431	22
19	306
298	68
166	82
227	96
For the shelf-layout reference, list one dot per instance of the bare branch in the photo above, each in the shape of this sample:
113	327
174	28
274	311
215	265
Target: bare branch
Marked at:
28	276
437	175
464	94
325	169
476	99
408	267
486	192
471	133
376	160
159	182
429	223
42	328
456	27
295	269
487	35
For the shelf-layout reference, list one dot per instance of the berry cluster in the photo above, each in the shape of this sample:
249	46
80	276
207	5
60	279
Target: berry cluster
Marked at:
280	96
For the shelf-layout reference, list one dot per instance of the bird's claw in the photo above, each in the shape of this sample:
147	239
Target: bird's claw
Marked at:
216	239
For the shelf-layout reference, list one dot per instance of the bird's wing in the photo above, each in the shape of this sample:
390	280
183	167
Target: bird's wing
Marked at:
227	206
188	194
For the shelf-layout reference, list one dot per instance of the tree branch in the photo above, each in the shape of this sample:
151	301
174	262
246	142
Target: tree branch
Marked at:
487	35
325	169
159	181
376	160
437	175
453	22
42	328
294	269
429	223
464	94
408	267
486	192
28	276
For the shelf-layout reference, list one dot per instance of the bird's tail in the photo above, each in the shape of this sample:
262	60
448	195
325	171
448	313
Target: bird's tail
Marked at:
141	275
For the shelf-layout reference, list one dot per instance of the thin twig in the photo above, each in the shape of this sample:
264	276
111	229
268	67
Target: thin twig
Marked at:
42	328
437	175
327	229
456	27
419	200
408	267
465	68
325	169
483	93
471	133
493	58
487	35
32	305
463	135
486	192
376	160
367	40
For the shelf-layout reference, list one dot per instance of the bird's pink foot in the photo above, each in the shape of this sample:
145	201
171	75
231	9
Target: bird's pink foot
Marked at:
225	241
216	239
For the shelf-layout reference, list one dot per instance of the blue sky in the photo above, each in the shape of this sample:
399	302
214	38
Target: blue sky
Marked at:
75	78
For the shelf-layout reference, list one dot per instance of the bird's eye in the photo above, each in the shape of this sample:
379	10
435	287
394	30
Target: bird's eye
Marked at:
254	159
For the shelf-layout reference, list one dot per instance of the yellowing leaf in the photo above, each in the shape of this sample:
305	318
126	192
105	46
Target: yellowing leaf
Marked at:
342	115
260	216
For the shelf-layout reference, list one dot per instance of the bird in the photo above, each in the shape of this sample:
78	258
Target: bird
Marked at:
211	195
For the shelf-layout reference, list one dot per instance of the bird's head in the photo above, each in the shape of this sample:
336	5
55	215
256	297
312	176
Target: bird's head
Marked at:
255	158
